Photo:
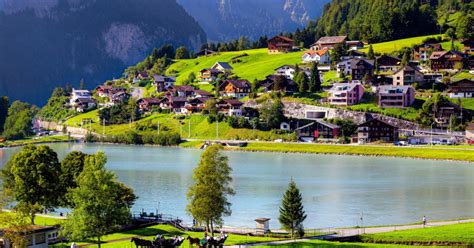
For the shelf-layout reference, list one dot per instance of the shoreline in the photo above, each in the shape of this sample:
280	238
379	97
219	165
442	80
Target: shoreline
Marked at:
424	153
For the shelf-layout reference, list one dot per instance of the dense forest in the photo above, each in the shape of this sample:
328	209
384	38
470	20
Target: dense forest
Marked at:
382	20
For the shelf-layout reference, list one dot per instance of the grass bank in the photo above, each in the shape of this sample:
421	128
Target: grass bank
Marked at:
122	239
444	235
327	244
390	151
35	140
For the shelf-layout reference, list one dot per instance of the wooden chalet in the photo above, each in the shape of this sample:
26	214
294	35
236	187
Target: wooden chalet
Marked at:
280	44
328	42
235	88
387	63
147	104
461	89
230	107
377	130
445	60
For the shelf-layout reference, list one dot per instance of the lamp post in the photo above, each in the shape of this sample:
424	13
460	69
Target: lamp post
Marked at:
431	133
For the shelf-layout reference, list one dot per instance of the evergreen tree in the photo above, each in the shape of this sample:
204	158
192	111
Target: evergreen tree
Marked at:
315	79
303	82
207	197
370	53
292	214
3	111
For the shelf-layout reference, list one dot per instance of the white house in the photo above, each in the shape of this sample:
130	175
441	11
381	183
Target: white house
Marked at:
320	56
81	100
38	237
289	71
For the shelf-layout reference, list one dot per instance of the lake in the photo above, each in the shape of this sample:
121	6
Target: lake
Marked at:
336	189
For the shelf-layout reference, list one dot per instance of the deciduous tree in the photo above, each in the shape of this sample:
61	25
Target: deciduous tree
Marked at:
18	124
99	201
32	175
208	197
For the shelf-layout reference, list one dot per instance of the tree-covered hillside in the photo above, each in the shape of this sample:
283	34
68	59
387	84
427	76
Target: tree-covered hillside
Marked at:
382	20
62	41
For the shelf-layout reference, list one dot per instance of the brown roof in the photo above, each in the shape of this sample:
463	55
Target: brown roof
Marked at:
202	92
282	37
331	39
470	127
238	83
150	100
233	102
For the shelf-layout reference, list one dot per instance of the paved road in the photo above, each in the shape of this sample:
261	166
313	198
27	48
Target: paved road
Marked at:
348	232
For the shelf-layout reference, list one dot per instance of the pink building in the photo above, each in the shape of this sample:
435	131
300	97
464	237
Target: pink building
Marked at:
345	94
395	96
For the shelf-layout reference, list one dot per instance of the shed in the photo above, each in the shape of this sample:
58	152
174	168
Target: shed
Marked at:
263	225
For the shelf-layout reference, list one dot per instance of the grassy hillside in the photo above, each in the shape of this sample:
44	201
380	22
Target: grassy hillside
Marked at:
394	45
256	65
200	128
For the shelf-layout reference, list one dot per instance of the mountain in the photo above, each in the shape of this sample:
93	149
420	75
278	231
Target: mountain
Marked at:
228	19
381	20
49	43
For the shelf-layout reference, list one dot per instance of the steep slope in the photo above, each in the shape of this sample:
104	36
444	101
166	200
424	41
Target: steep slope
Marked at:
381	20
228	19
48	43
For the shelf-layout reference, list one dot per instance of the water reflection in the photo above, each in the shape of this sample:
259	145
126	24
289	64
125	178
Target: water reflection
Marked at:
336	189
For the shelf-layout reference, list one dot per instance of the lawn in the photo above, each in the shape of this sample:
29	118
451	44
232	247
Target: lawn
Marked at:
389	150
458	233
327	244
409	113
35	140
256	65
462	75
122	239
392	46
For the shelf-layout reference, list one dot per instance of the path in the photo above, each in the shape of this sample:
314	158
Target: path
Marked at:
348	232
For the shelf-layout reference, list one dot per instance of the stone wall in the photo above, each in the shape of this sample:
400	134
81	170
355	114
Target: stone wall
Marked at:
303	111
73	131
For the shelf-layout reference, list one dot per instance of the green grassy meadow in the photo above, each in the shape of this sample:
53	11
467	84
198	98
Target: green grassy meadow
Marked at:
441	153
327	244
392	46
458	233
35	140
200	128
256	65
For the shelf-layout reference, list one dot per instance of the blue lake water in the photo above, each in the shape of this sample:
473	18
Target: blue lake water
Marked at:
336	189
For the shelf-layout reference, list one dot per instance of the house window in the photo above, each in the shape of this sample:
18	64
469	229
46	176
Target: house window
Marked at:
40	238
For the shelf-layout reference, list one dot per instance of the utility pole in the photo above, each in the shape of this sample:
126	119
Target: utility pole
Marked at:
189	128
217	129
180	129
158	127
103	128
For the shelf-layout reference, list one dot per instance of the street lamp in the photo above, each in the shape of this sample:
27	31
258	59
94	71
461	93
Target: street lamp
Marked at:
431	133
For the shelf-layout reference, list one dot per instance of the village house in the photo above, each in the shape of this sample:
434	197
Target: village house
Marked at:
107	90
235	88
163	82
280	44
181	91
81	100
37	237
141	76
289	71
395	96
197	104
230	107
204	52
319	56
328	42
376	130
445	60
202	93
358	69
355	44
422	52
209	75
387	63
147	104
283	84
468	45
354	54
461	89
407	75
444	111
345	94
174	104
470	131
119	97
317	129
223	67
